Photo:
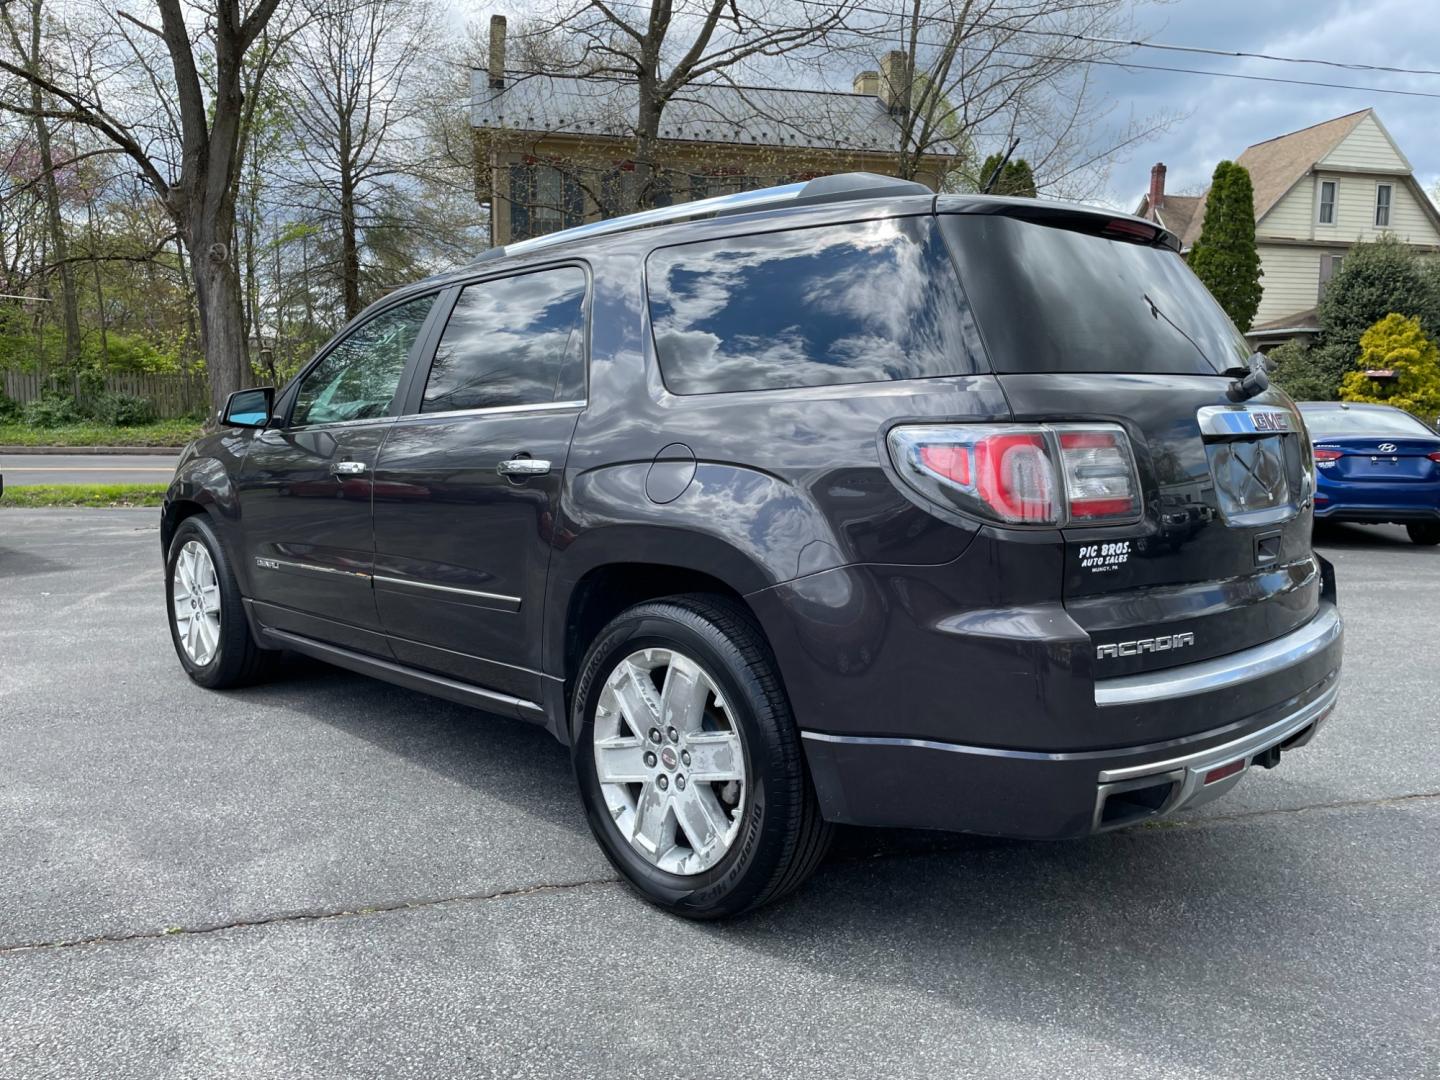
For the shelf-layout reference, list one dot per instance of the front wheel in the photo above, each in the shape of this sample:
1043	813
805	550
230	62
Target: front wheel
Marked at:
207	623
689	761
1426	533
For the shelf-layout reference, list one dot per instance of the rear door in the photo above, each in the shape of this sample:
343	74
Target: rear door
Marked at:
1085	319
305	488
467	486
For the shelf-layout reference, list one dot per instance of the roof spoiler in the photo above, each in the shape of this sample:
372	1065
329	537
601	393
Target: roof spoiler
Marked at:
840	187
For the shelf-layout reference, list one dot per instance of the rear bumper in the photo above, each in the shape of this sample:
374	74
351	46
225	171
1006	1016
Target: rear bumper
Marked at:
1376	501
1375	514
924	783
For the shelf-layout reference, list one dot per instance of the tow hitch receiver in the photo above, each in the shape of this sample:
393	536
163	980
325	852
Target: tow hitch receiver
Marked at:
1267	759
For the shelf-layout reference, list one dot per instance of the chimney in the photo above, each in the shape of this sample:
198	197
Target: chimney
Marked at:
895	81
868	82
1157	187
497	52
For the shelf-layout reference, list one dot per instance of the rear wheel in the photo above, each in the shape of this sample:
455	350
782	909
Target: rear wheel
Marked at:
207	623
689	761
1424	532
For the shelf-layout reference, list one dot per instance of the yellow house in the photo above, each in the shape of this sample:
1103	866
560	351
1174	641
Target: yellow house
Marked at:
554	151
1317	191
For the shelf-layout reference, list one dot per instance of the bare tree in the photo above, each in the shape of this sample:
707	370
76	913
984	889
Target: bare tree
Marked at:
359	75
186	142
27	46
673	44
986	72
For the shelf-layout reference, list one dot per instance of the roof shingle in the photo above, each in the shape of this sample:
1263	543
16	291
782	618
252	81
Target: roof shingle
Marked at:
701	112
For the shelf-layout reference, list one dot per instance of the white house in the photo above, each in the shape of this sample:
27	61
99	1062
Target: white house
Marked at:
1317	191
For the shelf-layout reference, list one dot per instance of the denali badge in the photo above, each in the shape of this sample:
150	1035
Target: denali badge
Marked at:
1160	643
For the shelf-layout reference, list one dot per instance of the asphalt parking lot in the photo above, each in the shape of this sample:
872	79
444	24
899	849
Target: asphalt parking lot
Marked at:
328	876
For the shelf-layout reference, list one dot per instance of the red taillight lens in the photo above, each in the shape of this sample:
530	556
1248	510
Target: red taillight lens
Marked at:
1023	474
1435	456
1014	476
1326	455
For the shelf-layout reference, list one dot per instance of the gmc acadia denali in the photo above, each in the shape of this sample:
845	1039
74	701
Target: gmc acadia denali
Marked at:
833	502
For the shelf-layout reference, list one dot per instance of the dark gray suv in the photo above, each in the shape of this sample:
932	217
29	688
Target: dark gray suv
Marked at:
835	502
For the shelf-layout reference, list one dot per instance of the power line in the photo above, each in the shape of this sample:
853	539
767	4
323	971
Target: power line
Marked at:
1132	65
1138	43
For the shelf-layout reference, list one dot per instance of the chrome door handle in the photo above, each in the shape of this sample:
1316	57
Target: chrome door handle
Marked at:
523	466
348	468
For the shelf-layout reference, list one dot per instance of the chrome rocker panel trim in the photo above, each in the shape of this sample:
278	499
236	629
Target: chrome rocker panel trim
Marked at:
1222	672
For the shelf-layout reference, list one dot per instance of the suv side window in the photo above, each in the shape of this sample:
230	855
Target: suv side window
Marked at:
869	301
511	341
358	377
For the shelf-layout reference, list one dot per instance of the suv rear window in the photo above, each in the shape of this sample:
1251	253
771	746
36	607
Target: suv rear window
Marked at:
870	301
1051	298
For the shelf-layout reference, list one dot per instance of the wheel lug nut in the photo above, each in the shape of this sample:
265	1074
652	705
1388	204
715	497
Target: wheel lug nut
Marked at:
685	756
655	734
674	735
649	759
680	781
663	782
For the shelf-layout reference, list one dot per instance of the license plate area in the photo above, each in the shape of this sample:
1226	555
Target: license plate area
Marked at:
1255	462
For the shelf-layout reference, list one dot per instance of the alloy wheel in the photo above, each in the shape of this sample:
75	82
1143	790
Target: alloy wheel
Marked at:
195	600
670	760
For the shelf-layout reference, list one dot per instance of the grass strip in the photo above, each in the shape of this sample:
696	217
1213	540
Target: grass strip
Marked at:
43	495
162	433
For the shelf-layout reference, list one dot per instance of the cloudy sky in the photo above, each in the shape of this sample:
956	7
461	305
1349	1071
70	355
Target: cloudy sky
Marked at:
1226	115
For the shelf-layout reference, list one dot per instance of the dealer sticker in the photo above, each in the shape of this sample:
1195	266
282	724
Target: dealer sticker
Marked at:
1104	558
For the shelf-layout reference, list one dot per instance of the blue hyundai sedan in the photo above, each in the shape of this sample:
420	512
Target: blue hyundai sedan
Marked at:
1375	463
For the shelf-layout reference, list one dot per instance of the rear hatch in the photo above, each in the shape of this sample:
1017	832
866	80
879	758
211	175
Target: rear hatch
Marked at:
1376	460
1090	318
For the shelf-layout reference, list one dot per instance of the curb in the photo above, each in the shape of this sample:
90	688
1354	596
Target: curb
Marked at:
167	451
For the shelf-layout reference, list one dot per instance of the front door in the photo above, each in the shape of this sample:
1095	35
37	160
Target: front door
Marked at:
305	489
467	485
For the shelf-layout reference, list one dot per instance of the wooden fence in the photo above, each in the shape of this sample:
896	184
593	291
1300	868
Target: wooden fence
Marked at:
172	395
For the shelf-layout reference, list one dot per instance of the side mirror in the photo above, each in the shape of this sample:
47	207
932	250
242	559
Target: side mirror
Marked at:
249	408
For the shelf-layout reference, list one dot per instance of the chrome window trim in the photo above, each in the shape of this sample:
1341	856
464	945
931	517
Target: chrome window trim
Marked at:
493	410
384	579
1222	672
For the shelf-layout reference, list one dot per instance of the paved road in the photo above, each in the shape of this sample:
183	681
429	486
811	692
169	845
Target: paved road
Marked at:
22	470
330	877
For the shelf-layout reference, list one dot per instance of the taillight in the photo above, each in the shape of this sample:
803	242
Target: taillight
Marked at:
1326	455
1023	474
1435	456
1099	473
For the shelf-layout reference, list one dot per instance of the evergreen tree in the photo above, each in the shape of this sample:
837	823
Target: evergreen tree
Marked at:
1015	179
1224	257
1377	279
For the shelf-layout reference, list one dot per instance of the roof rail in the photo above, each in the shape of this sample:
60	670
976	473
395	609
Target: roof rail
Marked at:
840	187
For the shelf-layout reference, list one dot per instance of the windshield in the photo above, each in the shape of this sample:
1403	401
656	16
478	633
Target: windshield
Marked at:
1055	299
1325	420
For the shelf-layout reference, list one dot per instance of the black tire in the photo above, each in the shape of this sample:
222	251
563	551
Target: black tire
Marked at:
1425	533
782	836
238	660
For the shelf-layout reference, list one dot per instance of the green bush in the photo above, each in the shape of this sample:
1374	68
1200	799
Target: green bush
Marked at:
1374	281
9	409
52	410
122	410
1309	373
1397	344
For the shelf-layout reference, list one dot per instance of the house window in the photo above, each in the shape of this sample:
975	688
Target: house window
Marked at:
1383	194
1327	201
542	200
1329	267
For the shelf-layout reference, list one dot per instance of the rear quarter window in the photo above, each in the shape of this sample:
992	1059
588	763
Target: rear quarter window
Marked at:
860	302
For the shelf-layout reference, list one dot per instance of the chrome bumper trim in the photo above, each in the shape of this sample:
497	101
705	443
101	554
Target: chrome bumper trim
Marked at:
1245	747
1225	671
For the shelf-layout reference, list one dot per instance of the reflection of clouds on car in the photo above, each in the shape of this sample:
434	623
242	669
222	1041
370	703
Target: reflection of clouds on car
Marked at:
506	342
740	314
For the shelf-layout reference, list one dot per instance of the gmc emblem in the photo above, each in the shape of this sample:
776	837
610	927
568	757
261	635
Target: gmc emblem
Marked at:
1159	643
